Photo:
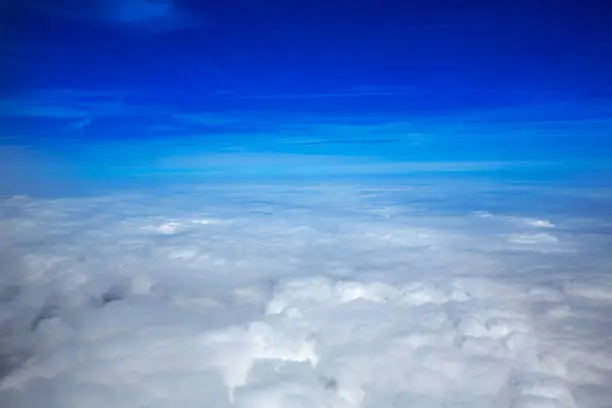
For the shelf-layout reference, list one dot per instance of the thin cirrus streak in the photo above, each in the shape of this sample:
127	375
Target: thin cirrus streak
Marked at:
357	94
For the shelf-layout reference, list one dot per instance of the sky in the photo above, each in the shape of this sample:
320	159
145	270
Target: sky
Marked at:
119	88
305	204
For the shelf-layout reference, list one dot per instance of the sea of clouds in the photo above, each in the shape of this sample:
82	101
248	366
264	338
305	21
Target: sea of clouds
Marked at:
329	295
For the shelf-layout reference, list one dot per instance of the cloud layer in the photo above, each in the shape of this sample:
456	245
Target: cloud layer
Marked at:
329	295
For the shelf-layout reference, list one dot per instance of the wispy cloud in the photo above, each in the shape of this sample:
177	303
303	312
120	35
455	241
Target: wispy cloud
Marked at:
36	109
412	133
148	15
60	104
266	164
355	92
208	118
78	107
156	15
138	11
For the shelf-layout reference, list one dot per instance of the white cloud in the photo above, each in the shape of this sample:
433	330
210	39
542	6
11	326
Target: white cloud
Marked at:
316	296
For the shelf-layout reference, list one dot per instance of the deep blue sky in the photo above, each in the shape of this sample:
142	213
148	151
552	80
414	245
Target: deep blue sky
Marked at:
399	81
489	50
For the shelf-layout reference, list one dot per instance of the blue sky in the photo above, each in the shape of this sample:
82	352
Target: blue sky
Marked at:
338	203
112	87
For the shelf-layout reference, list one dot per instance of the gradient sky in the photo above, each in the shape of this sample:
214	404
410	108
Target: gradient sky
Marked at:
269	86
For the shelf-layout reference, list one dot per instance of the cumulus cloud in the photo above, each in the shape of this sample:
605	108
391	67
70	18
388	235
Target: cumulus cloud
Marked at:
324	295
